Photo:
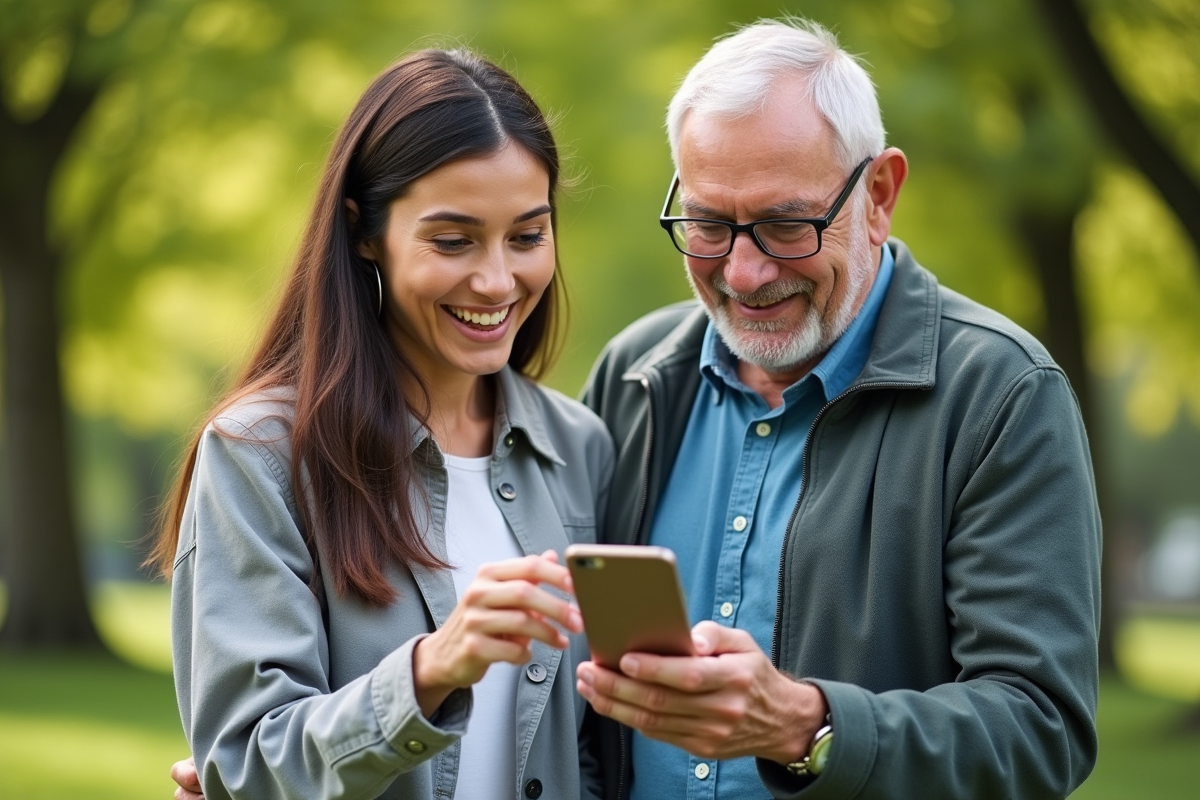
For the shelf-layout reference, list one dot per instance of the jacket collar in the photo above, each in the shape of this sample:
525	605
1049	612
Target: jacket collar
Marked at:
681	346
903	352
517	408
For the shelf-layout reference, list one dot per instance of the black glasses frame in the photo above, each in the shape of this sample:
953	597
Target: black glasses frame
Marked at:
818	223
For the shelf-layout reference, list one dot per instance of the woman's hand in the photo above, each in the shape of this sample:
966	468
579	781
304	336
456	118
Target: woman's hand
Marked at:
496	619
184	774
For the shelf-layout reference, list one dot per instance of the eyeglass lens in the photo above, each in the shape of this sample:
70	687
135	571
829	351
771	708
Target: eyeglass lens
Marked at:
709	239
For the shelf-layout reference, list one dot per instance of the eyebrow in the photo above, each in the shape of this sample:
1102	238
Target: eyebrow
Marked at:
466	219
788	208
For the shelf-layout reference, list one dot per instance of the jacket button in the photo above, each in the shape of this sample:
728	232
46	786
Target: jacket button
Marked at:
508	440
533	789
414	746
507	491
535	672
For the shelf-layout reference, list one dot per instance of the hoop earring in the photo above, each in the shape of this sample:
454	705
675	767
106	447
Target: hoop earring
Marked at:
379	283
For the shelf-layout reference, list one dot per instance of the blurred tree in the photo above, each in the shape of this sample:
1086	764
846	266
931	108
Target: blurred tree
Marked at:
1125	125
86	84
1120	115
47	92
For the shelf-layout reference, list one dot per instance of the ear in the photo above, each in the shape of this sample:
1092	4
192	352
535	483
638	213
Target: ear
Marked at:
363	248
885	176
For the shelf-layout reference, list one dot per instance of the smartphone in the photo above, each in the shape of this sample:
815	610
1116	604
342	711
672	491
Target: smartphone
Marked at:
630	599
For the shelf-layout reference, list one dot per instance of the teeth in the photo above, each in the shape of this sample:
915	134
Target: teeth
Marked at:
476	318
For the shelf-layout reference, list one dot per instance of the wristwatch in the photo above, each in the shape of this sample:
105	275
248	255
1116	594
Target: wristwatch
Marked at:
818	753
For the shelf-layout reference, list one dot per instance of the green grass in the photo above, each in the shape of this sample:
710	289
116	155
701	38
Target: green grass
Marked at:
107	728
95	727
1143	752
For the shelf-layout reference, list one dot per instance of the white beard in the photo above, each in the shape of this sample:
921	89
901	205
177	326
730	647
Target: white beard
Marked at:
789	349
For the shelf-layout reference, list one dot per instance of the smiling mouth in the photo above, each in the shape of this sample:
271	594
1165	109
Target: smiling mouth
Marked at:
768	304
483	321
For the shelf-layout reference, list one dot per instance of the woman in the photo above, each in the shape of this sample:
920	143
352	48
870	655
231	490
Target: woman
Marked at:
365	529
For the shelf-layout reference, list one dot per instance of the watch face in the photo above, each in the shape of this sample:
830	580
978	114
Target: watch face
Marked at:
820	753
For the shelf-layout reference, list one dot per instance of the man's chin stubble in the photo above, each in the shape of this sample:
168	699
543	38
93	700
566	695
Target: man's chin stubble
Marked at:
771	344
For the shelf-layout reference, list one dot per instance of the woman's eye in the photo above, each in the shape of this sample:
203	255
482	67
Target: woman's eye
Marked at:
530	240
451	245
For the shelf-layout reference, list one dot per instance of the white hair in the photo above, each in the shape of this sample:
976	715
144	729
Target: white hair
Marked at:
735	76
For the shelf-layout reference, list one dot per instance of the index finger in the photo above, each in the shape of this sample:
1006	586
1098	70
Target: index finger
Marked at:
691	674
184	773
535	569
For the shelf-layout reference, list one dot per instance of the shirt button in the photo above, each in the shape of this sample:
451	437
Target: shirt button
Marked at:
763	429
507	491
726	609
415	747
702	770
533	789
535	673
739	522
508	440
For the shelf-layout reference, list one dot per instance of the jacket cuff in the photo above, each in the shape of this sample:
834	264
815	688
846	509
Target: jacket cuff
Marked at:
851	757
411	735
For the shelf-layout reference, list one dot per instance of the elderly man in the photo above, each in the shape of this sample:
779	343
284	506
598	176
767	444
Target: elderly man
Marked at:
879	492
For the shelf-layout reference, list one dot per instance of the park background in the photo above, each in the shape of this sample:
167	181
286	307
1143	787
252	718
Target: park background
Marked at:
157	161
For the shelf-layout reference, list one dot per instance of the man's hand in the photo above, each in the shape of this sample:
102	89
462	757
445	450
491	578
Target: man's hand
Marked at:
184	774
727	701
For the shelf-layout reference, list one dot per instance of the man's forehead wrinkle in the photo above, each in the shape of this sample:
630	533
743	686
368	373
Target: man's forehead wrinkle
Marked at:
790	207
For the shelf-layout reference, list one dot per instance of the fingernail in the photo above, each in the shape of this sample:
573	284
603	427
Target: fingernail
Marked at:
576	620
584	690
630	666
586	676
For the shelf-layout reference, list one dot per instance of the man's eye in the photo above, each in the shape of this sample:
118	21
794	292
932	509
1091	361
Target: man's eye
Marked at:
709	231
787	231
451	245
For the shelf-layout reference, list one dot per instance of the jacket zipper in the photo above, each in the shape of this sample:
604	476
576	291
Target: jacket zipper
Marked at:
787	532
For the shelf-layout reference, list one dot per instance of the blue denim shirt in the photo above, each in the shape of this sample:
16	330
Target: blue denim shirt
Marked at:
724	512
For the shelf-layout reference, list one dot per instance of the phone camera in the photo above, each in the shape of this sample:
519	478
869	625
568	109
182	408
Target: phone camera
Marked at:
590	562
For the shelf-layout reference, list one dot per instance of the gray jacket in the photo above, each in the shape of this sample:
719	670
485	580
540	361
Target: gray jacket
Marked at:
287	694
939	578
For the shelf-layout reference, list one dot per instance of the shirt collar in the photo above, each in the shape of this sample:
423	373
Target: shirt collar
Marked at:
839	367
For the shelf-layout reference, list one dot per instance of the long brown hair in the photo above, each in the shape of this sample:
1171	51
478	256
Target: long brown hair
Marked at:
350	429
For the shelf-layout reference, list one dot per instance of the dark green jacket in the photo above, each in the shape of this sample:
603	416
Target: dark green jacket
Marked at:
939	578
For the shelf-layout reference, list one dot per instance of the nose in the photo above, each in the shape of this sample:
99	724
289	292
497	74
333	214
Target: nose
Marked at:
747	268
493	277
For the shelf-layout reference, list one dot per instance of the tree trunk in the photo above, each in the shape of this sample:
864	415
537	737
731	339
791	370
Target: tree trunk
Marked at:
1049	238
47	597
1121	120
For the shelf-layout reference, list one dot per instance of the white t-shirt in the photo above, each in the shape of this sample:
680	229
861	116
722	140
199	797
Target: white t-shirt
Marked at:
477	534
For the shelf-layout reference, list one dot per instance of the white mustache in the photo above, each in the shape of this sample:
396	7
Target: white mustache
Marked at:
766	295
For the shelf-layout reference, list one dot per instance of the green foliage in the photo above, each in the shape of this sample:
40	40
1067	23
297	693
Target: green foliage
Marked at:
185	191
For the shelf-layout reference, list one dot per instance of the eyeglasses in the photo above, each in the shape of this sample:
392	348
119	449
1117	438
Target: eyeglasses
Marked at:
778	238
